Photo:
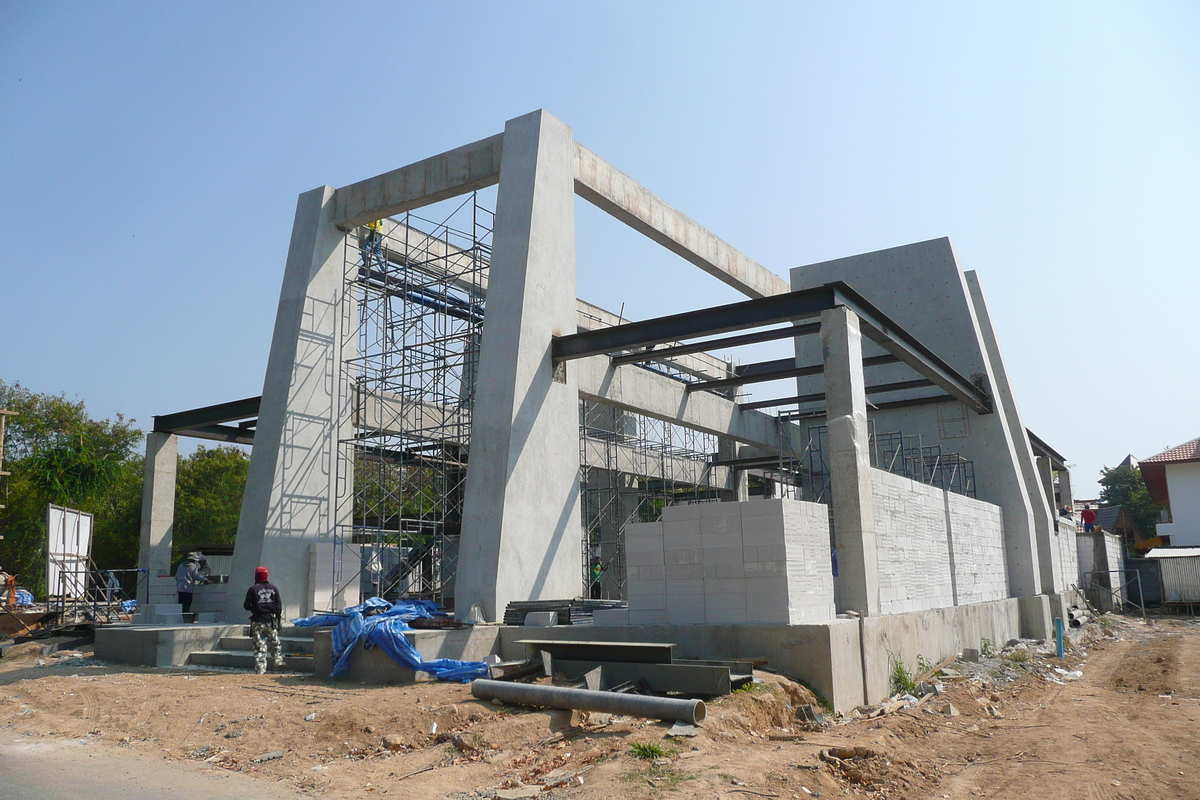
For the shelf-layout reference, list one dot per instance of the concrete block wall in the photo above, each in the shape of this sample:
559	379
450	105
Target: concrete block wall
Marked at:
913	544
1067	540
764	562
977	531
920	531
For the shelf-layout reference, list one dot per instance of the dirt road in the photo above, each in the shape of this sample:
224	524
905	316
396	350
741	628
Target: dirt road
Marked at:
1126	729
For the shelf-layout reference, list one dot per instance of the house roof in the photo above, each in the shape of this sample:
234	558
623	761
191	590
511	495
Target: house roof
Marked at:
1106	518
1154	468
1188	451
1173	552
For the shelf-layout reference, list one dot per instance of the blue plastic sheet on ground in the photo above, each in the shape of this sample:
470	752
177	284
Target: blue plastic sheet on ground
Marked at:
24	598
386	630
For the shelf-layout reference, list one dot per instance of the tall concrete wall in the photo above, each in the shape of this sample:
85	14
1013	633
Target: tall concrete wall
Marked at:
521	520
921	287
292	490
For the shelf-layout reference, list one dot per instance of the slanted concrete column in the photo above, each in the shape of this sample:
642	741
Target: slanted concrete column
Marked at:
158	510
521	532
294	482
850	462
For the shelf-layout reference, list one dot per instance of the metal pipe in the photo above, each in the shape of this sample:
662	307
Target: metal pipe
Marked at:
667	708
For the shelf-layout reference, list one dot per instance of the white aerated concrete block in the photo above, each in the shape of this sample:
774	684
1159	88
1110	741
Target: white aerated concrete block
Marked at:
541	619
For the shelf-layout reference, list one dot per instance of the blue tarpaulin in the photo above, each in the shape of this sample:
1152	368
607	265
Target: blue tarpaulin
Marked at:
24	598
386	629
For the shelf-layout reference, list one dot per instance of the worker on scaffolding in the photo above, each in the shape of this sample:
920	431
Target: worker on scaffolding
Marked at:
265	605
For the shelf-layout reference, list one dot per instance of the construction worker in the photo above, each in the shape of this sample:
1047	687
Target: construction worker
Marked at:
192	572
266	608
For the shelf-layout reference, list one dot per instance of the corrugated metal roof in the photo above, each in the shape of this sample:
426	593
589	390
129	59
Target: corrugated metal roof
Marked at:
1173	552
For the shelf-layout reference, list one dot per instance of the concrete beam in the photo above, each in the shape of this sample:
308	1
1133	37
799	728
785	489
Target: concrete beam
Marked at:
643	392
464	169
611	190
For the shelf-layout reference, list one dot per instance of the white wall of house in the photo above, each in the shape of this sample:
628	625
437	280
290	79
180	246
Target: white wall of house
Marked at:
1183	486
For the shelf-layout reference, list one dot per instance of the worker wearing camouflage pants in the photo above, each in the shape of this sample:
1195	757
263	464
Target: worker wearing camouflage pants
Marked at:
265	607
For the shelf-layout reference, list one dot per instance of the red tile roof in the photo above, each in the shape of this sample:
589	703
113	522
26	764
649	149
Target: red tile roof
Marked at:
1188	451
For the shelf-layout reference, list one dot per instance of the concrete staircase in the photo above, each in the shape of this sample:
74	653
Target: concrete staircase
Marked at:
237	652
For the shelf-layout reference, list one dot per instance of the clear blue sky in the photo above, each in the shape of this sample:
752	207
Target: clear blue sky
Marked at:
151	155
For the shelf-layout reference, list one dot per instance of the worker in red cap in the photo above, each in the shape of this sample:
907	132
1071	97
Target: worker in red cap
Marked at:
265	607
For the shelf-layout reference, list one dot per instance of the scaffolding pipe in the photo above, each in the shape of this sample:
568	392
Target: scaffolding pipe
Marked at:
665	708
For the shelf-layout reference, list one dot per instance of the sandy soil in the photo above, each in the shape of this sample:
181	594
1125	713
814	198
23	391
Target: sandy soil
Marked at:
1126	729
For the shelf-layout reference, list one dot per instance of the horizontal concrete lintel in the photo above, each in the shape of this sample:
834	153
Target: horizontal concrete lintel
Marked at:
644	392
611	190
464	169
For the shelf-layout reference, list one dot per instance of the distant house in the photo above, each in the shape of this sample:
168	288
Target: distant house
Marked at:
1115	519
1173	478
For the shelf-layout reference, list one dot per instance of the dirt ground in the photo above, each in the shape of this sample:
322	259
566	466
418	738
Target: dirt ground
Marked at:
1126	729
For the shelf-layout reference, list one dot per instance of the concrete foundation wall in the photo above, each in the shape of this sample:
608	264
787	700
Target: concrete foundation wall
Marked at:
934	634
764	561
167	646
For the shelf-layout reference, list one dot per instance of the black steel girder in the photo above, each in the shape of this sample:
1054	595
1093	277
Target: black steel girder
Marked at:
773	310
881	388
217	433
717	344
197	419
765	371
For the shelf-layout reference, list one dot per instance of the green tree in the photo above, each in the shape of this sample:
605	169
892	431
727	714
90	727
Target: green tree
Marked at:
208	497
58	454
1123	486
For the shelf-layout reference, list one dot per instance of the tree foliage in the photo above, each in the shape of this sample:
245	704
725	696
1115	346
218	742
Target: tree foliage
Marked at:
58	454
1123	486
208	497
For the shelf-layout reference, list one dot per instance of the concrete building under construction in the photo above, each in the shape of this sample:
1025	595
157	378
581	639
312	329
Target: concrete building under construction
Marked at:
443	417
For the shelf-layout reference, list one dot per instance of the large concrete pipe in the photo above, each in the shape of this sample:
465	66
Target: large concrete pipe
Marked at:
668	708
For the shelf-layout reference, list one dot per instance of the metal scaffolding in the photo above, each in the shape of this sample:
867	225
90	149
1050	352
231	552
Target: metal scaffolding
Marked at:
632	467
415	304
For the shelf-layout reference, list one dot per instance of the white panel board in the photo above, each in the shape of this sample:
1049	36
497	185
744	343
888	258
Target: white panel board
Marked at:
68	550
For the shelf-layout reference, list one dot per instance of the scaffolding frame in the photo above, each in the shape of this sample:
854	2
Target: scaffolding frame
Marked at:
631	467
412	323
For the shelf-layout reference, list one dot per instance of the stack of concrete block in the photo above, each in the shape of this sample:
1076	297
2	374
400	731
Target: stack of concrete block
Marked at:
763	562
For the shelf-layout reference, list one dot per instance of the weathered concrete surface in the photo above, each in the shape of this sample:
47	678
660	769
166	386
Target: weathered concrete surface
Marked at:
158	509
294	482
905	283
437	178
609	189
377	667
1054	574
520	535
850	463
934	634
166	646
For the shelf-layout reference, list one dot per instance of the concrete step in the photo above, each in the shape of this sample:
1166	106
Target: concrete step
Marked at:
289	632
291	644
244	659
